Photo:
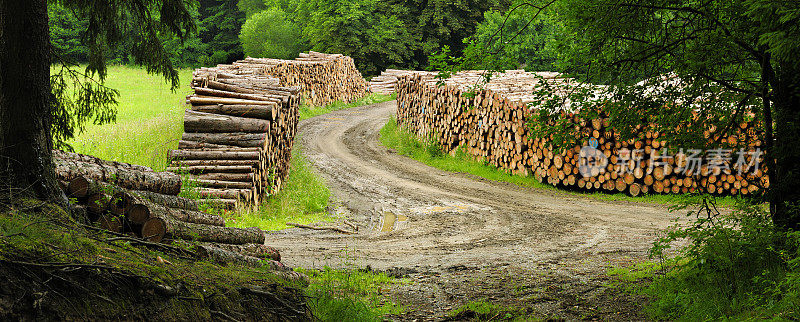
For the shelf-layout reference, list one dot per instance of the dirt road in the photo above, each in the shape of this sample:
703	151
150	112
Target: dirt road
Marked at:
461	238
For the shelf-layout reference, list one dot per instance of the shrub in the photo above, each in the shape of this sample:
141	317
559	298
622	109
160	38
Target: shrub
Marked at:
736	265
269	34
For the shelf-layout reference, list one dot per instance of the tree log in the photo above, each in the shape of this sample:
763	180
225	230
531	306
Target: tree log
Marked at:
213	155
245	140
254	250
264	112
156	229
161	182
206	122
224	256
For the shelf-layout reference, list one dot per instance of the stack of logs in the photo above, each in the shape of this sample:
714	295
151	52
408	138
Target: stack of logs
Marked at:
137	202
491	126
322	78
386	82
238	135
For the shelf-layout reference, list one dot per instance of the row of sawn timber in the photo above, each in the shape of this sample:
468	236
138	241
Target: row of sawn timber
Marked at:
492	126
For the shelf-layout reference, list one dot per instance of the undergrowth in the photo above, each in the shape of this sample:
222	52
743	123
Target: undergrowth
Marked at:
53	266
350	294
736	266
427	151
485	311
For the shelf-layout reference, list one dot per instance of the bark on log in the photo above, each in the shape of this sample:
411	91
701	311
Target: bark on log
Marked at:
212	155
156	229
239	139
263	112
206	122
225	257
161	182
254	250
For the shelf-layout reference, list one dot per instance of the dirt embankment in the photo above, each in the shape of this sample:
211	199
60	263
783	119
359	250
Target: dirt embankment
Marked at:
462	238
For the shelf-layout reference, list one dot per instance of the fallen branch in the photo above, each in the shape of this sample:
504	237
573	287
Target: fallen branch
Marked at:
321	228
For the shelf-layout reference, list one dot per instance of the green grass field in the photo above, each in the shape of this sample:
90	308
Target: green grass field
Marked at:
405	143
149	119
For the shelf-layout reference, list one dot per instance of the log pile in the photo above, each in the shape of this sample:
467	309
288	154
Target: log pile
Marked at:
238	137
150	210
386	82
322	78
491	126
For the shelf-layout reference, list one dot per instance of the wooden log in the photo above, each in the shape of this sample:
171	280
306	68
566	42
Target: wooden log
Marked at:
161	182
157	229
212	155
254	250
195	100
264	112
222	184
212	169
190	163
245	140
214	123
225	257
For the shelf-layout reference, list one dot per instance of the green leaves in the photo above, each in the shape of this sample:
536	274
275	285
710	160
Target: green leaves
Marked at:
269	34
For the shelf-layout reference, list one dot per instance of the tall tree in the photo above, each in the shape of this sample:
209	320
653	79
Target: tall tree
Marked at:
32	112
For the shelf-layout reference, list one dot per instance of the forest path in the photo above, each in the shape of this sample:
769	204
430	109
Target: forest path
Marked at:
463	238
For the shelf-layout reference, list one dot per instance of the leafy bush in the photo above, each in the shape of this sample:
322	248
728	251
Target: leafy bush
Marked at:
736	265
269	34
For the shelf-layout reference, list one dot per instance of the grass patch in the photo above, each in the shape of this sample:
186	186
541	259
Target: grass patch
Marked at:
486	311
149	119
302	200
393	136
307	111
350	295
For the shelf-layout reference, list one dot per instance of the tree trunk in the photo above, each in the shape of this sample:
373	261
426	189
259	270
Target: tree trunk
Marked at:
26	163
785	190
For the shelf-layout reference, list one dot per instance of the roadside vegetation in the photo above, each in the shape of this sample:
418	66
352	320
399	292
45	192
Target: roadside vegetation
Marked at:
350	294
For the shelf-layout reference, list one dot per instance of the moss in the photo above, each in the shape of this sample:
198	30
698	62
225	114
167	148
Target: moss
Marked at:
52	266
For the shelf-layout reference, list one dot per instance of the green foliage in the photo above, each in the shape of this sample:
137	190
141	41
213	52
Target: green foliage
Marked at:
268	34
251	7
737	265
219	24
358	28
349	294
523	37
486	311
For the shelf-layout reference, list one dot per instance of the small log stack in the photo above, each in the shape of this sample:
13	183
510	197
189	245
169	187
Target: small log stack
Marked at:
156	213
386	82
240	129
322	78
238	135
491	126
